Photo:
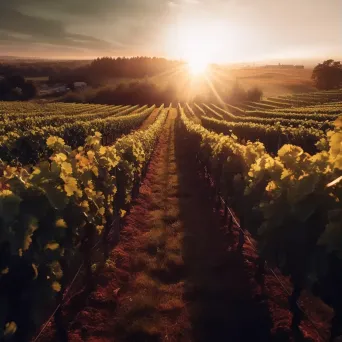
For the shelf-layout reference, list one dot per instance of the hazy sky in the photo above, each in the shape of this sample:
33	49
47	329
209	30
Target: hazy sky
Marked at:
233	30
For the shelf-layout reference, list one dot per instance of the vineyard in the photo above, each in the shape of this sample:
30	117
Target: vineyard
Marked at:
184	222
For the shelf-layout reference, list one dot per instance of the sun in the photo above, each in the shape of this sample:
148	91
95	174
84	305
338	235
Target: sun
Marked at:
197	66
198	46
198	42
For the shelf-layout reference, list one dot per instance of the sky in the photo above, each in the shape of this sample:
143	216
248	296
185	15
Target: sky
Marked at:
219	30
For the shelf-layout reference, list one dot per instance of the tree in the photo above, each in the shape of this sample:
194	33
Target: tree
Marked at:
15	88
237	94
4	88
29	90
16	81
254	94
328	75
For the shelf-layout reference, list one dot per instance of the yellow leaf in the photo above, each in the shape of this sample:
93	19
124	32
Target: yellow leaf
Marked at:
60	223
6	192
60	157
128	198
102	211
95	171
85	205
10	328
70	186
90	155
54	140
36	171
103	150
271	186
99	229
52	246
285	173
51	141
56	269
5	270
67	168
122	212
83	161
56	286
338	122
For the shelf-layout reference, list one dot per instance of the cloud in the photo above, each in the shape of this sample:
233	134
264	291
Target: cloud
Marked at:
90	9
17	27
113	26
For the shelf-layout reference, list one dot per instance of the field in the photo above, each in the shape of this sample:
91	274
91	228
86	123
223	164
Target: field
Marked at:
275	82
184	222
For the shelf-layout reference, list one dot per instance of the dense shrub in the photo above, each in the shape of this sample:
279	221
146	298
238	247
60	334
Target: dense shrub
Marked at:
254	94
328	75
15	87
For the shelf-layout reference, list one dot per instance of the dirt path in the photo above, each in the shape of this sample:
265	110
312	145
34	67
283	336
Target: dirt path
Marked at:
140	292
151	118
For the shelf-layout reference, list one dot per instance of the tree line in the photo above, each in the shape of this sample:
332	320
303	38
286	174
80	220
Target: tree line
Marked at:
148	92
96	73
93	72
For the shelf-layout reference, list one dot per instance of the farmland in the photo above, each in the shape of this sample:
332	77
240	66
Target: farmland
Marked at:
179	222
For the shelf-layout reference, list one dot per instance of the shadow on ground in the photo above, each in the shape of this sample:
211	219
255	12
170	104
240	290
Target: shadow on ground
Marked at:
222	303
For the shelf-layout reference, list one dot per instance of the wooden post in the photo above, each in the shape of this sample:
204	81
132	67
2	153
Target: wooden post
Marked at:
296	312
87	244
